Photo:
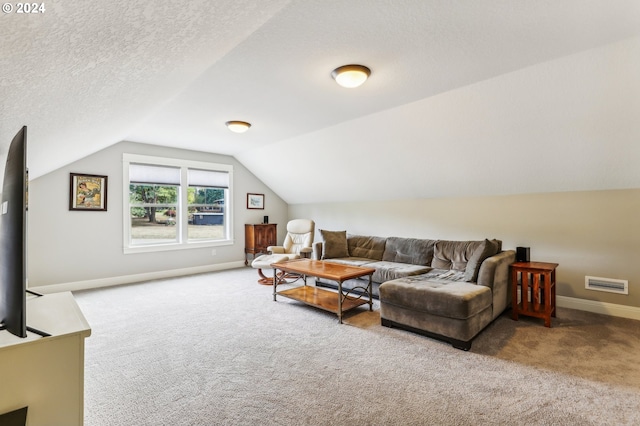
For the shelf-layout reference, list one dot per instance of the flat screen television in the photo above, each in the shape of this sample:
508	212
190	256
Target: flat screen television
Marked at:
13	223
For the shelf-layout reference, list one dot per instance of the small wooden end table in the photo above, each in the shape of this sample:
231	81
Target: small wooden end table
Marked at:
328	300
537	284
257	238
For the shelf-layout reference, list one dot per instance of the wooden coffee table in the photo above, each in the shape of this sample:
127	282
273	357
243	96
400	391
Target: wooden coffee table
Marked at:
336	302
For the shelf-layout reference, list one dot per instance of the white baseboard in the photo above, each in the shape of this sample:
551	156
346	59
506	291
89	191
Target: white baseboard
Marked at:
612	309
128	279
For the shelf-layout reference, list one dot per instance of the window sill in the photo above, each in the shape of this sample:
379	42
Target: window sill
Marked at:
175	246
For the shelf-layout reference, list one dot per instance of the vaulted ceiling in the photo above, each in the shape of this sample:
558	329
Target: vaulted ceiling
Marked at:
465	97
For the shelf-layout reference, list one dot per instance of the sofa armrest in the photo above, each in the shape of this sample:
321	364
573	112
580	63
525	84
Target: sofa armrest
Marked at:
317	250
275	249
494	273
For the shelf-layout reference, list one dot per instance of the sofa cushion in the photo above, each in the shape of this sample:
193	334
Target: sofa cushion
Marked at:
443	275
409	250
386	271
451	299
334	244
485	249
366	247
352	261
453	254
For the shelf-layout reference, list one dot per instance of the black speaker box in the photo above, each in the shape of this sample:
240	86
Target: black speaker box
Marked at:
266	219
522	254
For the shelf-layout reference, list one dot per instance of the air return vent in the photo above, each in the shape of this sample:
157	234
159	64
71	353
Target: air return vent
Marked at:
606	284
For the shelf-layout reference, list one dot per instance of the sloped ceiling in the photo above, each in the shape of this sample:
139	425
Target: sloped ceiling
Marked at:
465	97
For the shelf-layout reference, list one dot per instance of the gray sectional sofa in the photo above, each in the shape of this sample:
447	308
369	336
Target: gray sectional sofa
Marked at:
449	290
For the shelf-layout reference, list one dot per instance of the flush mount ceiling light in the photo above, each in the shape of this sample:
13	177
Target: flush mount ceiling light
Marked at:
238	126
351	75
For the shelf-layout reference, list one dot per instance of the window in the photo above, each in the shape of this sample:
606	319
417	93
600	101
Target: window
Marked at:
206	201
173	204
154	194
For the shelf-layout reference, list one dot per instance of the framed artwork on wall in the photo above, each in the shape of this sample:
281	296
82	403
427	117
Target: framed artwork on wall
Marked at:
255	201
87	192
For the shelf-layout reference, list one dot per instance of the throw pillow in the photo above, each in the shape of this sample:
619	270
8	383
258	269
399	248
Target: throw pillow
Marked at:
334	244
484	250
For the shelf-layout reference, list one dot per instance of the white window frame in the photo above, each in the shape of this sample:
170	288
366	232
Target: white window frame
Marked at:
183	242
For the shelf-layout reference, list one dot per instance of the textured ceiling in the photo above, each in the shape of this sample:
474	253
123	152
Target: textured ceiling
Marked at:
448	79
83	74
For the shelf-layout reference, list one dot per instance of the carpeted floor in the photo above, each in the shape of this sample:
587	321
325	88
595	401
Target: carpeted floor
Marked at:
215	349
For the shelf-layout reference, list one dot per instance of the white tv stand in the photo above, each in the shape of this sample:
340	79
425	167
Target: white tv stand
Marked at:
46	373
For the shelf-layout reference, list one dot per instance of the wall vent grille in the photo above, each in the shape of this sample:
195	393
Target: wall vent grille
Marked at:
606	284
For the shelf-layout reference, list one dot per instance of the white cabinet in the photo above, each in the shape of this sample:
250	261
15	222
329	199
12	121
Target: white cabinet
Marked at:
46	373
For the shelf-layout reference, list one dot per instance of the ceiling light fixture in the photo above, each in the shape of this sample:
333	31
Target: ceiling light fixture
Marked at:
351	75
238	126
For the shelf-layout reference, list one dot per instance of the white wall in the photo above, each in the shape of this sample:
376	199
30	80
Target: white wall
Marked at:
588	233
86	248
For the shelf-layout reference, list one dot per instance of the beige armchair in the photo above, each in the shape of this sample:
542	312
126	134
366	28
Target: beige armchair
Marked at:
297	243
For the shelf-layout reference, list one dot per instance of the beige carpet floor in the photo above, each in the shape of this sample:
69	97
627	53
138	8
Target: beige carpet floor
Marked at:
215	349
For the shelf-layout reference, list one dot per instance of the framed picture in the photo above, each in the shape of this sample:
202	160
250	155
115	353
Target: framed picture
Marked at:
255	201
87	192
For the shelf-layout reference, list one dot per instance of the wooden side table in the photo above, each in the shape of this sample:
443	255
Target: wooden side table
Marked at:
258	237
537	284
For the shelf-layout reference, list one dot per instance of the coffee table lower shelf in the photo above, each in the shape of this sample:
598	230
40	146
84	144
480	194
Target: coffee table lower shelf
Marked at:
322	299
